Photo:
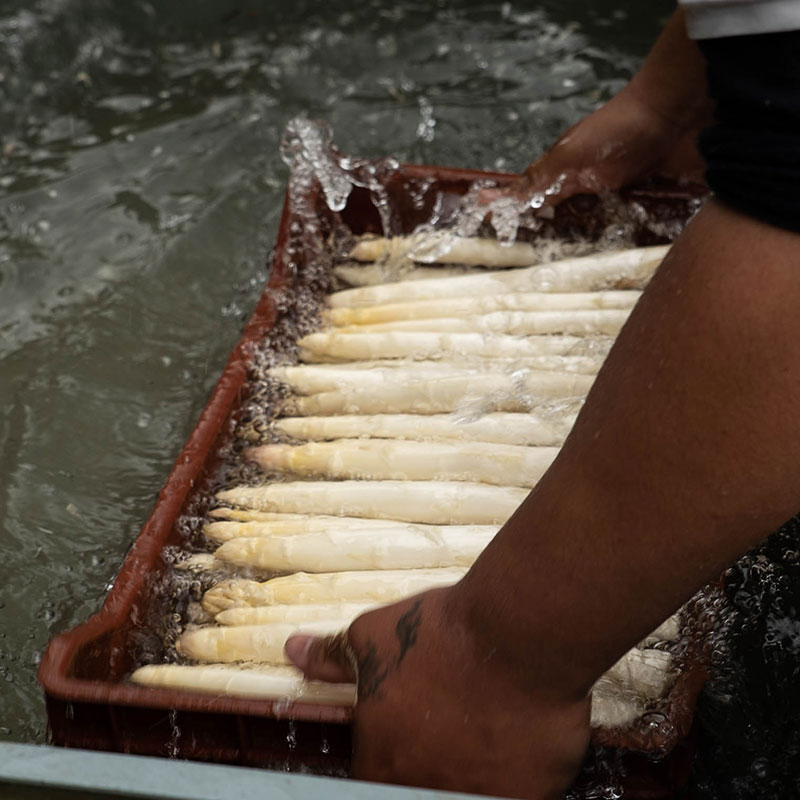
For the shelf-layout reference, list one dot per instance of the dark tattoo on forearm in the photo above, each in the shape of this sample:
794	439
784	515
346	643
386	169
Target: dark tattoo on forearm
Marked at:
371	670
406	630
371	673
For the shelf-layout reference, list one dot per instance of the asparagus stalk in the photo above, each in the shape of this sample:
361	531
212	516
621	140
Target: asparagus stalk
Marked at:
305	379
284	683
579	322
494	391
444	248
648	673
370	274
431	502
346	551
314	378
614	708
257	683
589	363
469	306
333	345
293	614
289	523
225	530
258	643
393	459
338	587
619	270
502	428
667	631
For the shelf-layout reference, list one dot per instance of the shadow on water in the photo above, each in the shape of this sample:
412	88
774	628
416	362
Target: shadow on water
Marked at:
140	186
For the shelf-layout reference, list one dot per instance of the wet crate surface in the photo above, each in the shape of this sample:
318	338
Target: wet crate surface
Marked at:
83	672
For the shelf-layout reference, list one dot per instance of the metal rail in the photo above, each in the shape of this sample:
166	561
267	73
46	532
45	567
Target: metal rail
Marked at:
36	771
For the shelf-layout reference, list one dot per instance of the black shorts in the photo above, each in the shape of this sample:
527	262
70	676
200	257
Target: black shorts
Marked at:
752	150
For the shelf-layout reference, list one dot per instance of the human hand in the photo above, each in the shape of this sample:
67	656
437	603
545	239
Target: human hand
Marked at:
618	145
436	710
649	128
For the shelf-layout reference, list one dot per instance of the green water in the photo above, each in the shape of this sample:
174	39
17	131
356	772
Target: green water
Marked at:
140	187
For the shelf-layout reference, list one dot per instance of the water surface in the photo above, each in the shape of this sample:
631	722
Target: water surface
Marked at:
140	187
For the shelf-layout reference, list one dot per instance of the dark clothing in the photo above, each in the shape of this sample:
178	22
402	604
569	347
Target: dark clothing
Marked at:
752	151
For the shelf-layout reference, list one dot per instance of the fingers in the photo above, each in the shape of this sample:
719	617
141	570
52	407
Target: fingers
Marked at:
539	185
327	658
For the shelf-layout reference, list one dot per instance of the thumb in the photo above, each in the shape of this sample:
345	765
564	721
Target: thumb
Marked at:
328	658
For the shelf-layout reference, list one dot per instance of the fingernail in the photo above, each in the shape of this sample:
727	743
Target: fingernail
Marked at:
297	648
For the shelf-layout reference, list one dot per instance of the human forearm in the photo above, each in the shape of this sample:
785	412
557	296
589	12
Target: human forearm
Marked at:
672	80
684	456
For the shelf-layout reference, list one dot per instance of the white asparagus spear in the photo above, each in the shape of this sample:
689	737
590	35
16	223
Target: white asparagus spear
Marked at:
256	516
667	631
225	530
494	391
370	274
468	306
346	551
290	523
431	502
589	363
625	269
579	322
315	378
426	365
293	614
648	673
444	248
258	643
333	344
262	683
502	428
397	459
305	379
612	708
338	587
284	683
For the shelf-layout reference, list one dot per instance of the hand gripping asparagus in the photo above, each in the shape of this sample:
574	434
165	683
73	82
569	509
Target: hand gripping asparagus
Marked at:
470	306
518	391
339	587
343	551
581	322
258	643
618	270
332	345
521	429
282	683
387	459
225	530
431	502
262	683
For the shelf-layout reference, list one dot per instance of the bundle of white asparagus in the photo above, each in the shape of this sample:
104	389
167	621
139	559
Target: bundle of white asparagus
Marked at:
407	484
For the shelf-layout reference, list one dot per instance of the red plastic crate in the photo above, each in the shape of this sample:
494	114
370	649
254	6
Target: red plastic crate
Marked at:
83	671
